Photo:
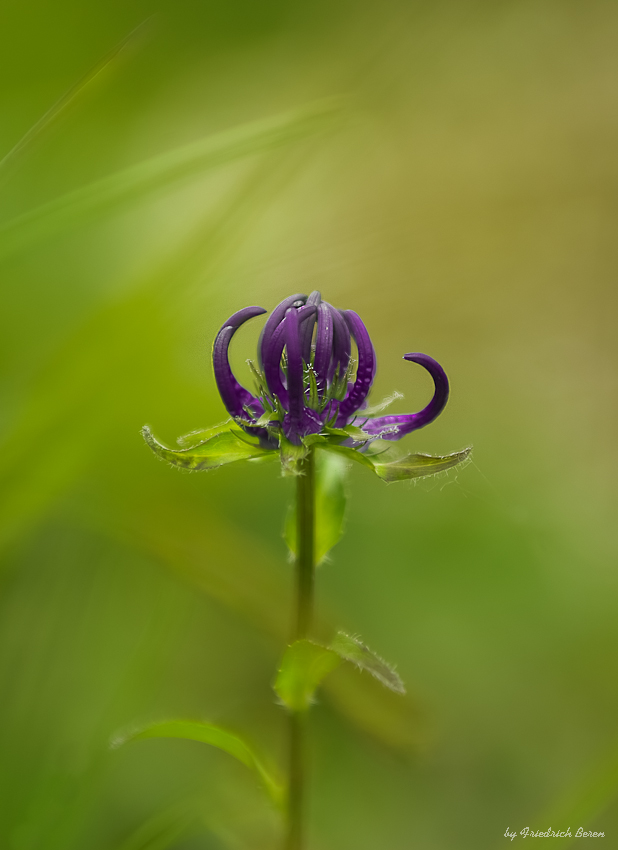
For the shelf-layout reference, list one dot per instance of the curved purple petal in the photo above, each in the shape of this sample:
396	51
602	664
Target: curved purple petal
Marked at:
299	420
342	347
400	425
275	319
235	397
306	332
271	357
294	322
273	351
323	345
365	370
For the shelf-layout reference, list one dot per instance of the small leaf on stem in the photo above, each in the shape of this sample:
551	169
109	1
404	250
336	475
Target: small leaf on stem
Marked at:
353	650
302	669
305	664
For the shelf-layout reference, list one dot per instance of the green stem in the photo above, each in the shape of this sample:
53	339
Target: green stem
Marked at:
305	545
305	576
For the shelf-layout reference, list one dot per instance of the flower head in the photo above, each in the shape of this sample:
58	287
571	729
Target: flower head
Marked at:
310	390
308	381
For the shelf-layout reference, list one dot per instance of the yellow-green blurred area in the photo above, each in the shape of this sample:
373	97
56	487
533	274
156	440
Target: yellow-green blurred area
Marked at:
449	171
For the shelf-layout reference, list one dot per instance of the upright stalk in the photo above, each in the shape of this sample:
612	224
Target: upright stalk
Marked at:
305	545
305	576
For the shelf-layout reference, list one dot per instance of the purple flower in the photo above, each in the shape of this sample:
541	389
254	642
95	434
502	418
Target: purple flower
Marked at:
308	383
310	391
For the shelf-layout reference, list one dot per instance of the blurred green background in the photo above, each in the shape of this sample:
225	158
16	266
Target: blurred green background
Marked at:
449	171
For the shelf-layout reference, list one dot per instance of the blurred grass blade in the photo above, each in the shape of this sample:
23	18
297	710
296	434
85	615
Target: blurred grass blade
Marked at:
225	447
353	650
161	171
186	821
164	830
303	667
69	96
73	403
205	549
330	502
216	736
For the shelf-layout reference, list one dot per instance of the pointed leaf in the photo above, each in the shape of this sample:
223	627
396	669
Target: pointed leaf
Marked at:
225	447
330	502
356	434
350	432
416	465
303	667
353	650
305	664
314	440
216	736
336	432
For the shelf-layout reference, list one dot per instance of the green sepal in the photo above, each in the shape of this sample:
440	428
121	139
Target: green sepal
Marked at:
390	465
291	455
330	501
225	447
356	652
216	736
303	666
339	384
350	432
314	440
314	397
352	454
356	434
415	465
331	431
188	441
